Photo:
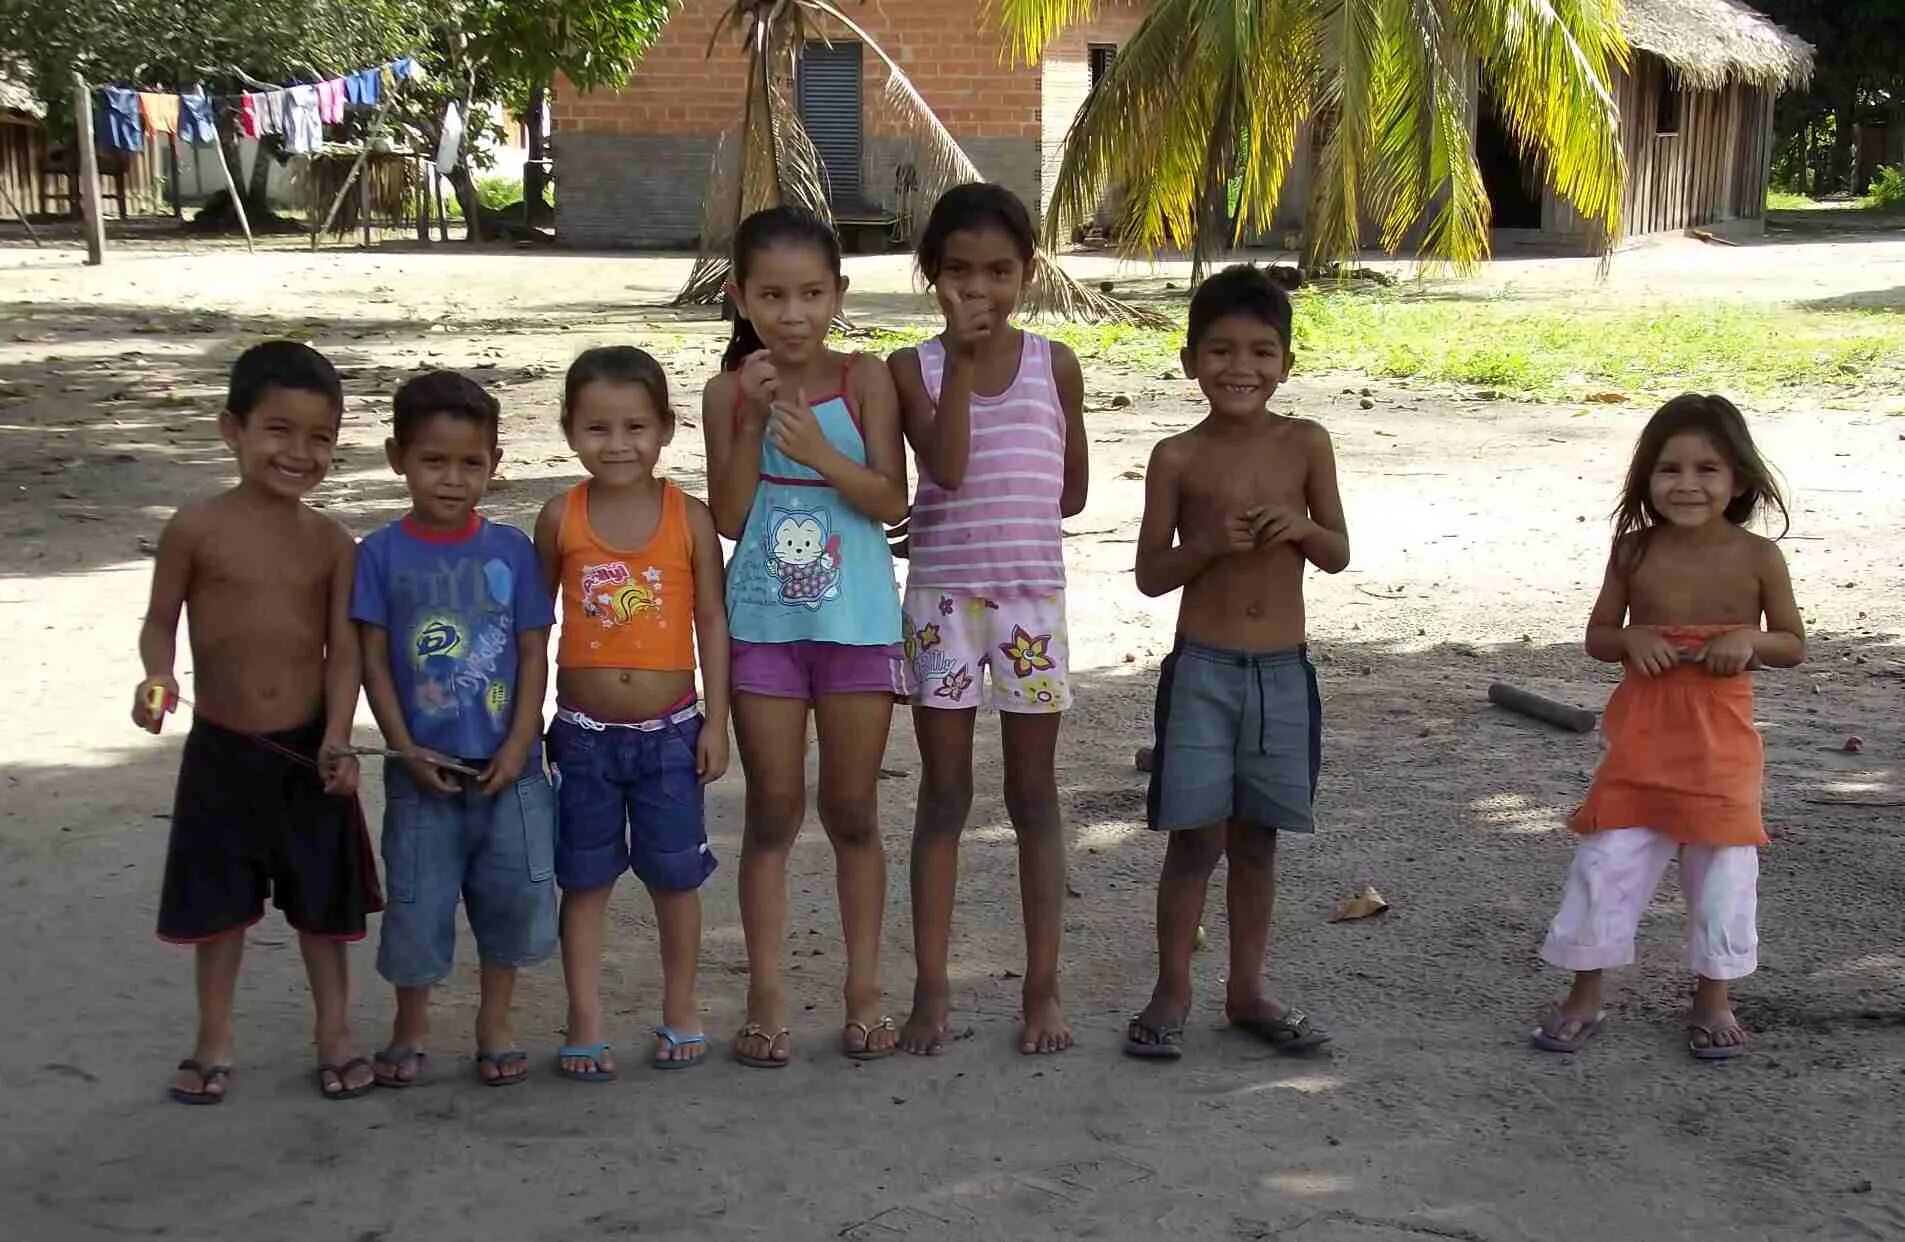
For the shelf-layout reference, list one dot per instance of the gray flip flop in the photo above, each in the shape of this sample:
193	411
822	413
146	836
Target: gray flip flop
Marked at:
1712	1050
1165	1043
1550	1042
395	1057
1290	1034
500	1058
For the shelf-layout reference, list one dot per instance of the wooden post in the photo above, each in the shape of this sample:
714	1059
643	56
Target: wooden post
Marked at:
363	197
231	187
423	201
93	224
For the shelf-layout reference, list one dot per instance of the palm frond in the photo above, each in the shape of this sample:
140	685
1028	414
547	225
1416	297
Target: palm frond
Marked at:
1279	91
1548	64
942	163
1350	51
1029	26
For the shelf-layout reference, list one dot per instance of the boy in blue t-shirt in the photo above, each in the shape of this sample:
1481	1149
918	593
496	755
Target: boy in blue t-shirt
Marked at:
455	626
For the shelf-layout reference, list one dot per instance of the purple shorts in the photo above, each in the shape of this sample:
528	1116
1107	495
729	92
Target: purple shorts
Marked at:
807	670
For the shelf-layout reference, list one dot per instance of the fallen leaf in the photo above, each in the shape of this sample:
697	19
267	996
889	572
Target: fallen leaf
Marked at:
1606	398
1366	904
1131	474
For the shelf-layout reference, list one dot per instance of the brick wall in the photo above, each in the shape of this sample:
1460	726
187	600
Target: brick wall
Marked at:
1066	74
632	164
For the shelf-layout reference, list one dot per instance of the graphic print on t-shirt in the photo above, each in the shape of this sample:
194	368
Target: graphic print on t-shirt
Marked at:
460	638
613	596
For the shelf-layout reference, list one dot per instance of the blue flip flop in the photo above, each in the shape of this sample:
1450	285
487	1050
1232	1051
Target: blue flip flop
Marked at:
675	1041
592	1053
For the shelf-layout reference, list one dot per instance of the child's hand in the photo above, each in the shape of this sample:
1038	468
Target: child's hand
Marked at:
796	432
340	773
1237	533
1649	652
711	754
1278	524
424	772
505	766
970	322
142	700
760	382
1729	655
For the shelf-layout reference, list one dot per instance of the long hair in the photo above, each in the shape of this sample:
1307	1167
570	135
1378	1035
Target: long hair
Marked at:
1720	421
776	226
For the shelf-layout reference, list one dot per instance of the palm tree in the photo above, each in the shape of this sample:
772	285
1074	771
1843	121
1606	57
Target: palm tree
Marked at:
768	159
1205	102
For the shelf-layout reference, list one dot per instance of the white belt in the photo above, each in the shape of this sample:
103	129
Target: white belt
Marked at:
583	721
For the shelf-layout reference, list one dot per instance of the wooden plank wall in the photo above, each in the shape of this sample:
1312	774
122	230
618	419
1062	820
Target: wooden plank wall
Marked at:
22	146
1712	171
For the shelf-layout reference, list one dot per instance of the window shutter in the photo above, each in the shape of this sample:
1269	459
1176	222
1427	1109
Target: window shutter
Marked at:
828	93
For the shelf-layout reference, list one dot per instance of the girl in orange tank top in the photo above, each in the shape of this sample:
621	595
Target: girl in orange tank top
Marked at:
1686	591
636	566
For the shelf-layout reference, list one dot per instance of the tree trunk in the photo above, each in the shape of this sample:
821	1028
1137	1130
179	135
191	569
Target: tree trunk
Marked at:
535	171
1846	118
465	187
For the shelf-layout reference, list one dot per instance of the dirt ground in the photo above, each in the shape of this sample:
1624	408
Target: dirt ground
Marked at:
1478	530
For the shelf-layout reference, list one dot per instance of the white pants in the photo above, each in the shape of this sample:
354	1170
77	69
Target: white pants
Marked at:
1613	877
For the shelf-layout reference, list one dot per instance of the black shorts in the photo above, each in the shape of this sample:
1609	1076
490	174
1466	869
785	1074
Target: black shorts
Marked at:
249	822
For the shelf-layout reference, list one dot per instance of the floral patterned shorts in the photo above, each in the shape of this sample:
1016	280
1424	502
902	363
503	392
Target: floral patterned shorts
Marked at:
953	637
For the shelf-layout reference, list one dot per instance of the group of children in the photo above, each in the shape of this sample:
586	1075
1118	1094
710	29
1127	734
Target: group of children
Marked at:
443	619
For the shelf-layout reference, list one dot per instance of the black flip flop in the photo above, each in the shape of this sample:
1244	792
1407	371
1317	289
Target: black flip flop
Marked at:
1290	1034
206	1076
1164	1043
344	1091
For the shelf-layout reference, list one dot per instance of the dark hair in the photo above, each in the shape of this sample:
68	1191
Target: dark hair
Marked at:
616	364
1243	289
290	365
776	226
967	209
1720	421
423	397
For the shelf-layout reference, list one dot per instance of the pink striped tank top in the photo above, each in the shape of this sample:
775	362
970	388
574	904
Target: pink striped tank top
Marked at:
999	531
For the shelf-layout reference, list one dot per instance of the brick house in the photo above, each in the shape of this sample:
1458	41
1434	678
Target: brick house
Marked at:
634	163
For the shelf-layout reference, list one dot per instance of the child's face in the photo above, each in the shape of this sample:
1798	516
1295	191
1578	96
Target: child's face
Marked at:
1238	364
284	448
617	432
791	296
447	466
982	263
1693	482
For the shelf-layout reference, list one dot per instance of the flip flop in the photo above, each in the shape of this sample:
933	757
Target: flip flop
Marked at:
675	1041
1154	1043
755	1030
1290	1034
206	1076
508	1056
1547	1041
592	1053
343	1091
863	1052
1712	1050
392	1058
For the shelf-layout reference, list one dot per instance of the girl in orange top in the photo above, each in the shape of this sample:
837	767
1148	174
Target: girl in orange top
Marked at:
1686	590
637	567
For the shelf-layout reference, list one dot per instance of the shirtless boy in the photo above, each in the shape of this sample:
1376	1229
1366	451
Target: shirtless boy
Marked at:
1234	508
263	804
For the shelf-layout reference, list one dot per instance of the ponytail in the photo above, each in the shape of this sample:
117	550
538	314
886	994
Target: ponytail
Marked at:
744	342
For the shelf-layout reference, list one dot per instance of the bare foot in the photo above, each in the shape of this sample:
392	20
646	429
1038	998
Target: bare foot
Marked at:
924	1034
344	1073
1045	1030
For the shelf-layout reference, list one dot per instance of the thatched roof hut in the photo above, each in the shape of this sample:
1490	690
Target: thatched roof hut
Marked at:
1711	43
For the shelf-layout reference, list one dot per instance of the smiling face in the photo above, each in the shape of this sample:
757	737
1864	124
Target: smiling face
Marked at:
284	446
1693	482
617	432
791	296
1238	364
446	463
982	263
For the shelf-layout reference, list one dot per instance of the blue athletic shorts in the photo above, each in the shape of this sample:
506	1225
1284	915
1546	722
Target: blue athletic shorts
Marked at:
1239	737
629	799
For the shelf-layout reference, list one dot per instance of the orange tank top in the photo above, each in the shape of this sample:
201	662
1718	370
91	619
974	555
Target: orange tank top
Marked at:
627	609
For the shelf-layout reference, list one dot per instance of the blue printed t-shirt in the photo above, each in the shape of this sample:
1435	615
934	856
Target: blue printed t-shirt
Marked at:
453	605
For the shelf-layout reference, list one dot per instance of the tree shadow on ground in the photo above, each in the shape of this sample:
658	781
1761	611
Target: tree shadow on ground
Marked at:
1892	299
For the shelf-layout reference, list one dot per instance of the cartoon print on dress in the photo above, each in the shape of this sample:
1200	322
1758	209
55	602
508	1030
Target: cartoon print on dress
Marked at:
1029	653
803	555
612	596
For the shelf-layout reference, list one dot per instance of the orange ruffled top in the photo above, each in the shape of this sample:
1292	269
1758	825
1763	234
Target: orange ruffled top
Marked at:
1683	757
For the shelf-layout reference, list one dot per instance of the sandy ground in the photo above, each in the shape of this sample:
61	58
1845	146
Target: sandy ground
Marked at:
1478	539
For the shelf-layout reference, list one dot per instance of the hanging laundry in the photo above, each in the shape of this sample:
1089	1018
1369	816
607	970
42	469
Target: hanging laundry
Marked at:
365	88
303	126
331	101
251	110
406	69
161	112
387	78
119	125
195	120
450	147
274	118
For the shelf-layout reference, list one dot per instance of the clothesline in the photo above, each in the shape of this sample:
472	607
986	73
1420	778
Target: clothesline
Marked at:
297	113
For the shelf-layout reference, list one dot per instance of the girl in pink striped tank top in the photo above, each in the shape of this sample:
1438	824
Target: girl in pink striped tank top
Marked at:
995	416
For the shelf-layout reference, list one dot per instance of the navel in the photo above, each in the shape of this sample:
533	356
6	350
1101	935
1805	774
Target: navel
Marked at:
1254	610
625	677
